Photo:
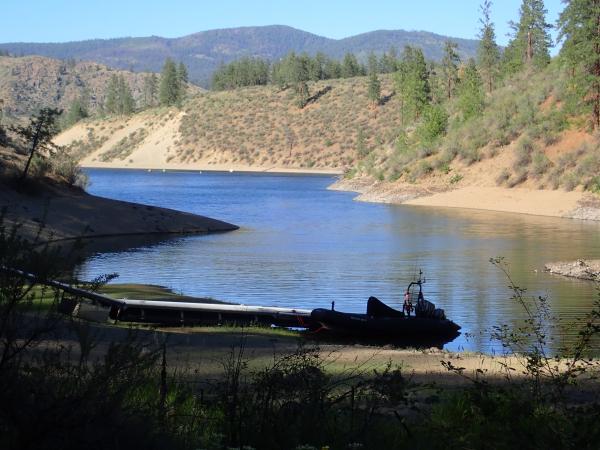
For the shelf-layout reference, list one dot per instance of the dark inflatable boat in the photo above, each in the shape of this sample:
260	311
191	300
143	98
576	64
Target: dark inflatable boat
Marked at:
418	319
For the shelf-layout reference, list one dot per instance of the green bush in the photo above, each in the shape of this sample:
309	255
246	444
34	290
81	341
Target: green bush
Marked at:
540	164
570	181
435	123
519	176
523	152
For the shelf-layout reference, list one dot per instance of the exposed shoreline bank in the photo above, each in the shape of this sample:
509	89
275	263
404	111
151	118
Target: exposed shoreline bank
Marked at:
185	167
551	203
581	269
50	213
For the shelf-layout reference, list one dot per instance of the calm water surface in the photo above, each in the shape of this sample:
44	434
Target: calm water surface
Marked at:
302	245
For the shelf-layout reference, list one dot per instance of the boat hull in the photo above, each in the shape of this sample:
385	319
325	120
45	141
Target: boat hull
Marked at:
383	327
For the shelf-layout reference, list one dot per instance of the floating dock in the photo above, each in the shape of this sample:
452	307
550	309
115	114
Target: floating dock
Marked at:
174	312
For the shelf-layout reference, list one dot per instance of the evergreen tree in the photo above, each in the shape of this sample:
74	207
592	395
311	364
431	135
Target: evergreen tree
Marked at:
112	95
77	111
182	73
2	130
292	70
240	73
302	94
38	134
389	61
435	122
372	63
350	66
150	90
412	82
471	95
318	67
333	69
449	68
374	86
488	54
182	79
579	27
531	40
361	144
169	90
126	103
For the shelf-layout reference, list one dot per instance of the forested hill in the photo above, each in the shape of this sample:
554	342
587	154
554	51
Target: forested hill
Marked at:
203	52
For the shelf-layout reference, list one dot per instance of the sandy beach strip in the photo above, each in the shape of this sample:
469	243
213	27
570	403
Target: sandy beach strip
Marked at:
203	167
523	201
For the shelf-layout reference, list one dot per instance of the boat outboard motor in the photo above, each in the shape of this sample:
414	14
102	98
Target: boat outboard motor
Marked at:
439	314
424	308
376	308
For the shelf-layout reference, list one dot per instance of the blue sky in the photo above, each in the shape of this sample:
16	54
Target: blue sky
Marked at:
63	20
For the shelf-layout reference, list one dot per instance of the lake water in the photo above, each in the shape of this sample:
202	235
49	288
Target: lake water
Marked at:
301	245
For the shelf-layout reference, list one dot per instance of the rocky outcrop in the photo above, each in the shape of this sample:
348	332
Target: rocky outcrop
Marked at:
381	192
582	269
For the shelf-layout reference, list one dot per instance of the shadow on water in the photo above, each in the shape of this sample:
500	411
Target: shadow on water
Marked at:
76	251
304	246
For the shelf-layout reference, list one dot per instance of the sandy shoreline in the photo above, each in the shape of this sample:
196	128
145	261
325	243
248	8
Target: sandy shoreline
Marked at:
195	167
539	202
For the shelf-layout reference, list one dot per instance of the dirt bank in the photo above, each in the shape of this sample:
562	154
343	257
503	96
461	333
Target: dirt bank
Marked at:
554	203
69	213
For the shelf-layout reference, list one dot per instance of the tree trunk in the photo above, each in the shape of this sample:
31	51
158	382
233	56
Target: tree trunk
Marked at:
33	147
596	70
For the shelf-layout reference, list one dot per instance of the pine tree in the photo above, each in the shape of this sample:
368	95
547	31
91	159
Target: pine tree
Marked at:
112	95
302	94
412	83
38	135
471	95
579	27
169	84
374	86
77	111
182	80
488	54
531	40
389	61
361	144
126	103
150	90
350	66
333	69
450	68
318	67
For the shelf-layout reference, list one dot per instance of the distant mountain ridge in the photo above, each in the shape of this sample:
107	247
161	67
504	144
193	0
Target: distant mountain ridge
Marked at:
203	52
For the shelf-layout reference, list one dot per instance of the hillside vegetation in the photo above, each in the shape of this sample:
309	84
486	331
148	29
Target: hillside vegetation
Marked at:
258	127
525	136
33	82
203	52
513	117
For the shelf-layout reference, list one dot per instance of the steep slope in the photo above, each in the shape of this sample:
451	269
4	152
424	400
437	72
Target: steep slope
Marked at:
258	128
69	213
203	52
524	153
31	82
529	150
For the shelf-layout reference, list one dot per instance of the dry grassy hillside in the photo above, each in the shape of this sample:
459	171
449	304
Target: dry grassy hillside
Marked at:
523	138
259	128
31	82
